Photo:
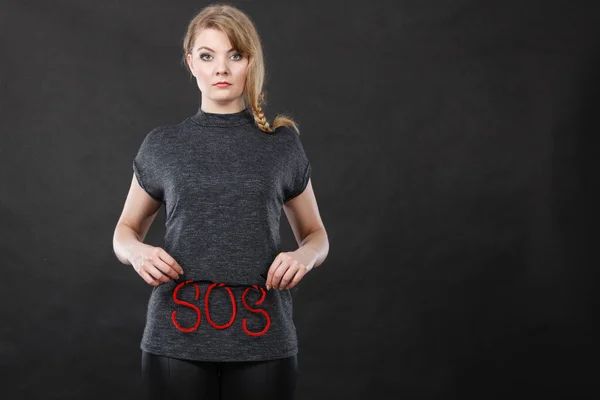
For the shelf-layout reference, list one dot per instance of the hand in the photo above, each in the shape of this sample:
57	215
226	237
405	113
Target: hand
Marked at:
288	268
154	264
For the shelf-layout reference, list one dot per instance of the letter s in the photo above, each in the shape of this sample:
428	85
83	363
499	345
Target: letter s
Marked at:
185	303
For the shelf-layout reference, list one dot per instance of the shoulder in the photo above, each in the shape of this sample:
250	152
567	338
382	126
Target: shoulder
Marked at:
157	143
162	134
289	143
285	130
163	131
288	136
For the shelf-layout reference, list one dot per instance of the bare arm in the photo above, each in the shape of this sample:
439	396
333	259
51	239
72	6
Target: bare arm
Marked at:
152	263
303	215
138	214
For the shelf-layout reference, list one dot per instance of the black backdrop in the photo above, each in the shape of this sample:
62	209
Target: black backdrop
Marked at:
451	145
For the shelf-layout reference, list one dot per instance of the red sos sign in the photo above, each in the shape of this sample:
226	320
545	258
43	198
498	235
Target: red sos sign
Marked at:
207	311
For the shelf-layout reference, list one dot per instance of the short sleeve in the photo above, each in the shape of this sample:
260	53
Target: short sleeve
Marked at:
298	168
146	166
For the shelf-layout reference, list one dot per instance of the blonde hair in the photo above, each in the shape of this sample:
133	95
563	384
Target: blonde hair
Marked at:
243	36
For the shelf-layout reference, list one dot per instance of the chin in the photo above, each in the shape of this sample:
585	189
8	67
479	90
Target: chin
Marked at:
222	99
226	96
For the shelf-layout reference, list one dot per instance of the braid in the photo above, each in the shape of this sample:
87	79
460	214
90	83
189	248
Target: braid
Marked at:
259	116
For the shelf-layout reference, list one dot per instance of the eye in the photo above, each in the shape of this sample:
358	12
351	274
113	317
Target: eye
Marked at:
239	55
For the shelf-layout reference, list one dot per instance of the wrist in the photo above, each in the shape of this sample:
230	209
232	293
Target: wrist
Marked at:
311	253
131	251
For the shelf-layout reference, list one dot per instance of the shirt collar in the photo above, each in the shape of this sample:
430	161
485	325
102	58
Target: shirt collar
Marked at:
223	120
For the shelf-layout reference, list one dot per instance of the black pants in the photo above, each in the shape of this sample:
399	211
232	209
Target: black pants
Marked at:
175	379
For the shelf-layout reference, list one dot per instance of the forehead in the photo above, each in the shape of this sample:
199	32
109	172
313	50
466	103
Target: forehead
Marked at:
213	38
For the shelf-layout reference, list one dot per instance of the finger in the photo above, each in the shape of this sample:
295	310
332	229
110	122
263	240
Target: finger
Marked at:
157	274
297	277
287	277
279	273
149	279
165	268
272	269
168	263
166	257
162	265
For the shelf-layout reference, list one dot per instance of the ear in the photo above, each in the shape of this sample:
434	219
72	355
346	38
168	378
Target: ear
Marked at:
188	59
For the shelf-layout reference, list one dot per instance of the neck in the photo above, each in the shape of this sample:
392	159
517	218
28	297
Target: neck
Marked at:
230	107
238	118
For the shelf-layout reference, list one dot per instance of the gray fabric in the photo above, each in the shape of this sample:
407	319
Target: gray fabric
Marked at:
223	183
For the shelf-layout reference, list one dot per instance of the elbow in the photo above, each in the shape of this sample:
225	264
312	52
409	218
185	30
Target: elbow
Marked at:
319	242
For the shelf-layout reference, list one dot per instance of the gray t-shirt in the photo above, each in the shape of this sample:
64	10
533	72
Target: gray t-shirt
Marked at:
223	182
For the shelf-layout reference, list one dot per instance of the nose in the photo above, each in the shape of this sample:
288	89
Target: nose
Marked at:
222	68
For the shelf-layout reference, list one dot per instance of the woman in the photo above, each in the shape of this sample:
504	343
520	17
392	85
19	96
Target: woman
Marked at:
219	322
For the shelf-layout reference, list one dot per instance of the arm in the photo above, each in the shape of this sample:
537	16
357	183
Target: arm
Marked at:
138	214
303	215
153	264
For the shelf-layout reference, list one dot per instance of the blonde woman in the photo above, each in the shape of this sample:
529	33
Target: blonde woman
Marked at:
219	320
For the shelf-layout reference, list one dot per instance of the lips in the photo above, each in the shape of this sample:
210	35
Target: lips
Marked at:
222	83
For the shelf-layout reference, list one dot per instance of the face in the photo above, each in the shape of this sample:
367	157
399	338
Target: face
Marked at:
213	60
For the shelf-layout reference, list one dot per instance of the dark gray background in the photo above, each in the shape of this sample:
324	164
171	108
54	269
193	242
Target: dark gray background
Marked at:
451	145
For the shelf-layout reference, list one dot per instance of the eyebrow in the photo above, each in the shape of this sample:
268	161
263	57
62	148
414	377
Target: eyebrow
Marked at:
209	49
